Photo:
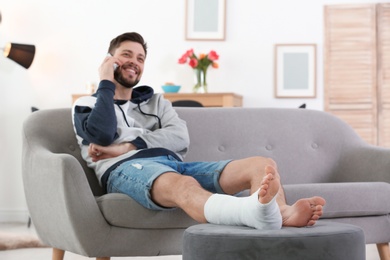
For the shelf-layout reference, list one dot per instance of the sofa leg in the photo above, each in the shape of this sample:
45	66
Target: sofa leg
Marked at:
58	254
103	258
384	251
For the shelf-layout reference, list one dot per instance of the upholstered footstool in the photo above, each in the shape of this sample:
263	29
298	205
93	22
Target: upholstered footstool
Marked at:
325	240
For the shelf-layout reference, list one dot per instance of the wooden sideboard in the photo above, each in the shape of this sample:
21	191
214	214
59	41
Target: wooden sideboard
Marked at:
206	99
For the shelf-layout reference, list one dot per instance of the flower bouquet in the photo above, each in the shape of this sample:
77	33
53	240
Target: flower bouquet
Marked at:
200	64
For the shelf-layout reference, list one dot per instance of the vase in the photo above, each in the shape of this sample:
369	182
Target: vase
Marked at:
200	81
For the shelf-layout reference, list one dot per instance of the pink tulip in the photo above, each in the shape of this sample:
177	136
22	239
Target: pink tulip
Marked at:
190	52
183	59
213	56
193	62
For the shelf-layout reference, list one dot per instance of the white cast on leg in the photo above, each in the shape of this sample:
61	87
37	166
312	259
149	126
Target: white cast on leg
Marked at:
243	211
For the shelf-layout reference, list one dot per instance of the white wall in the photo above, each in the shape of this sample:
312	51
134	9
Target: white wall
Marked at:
72	37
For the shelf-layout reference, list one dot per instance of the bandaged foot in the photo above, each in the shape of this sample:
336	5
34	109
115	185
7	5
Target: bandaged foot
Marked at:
243	211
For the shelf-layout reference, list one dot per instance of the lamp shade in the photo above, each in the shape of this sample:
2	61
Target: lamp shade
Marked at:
23	54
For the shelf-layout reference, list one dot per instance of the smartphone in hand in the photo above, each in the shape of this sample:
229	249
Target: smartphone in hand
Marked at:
115	65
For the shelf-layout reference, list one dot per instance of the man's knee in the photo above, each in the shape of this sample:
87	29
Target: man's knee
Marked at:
264	161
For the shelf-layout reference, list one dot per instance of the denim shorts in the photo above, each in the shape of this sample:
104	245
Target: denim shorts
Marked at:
135	177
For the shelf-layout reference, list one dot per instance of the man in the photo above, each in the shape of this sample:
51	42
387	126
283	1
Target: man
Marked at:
135	142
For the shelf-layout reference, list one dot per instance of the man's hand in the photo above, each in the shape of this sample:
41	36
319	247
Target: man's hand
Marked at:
98	152
106	69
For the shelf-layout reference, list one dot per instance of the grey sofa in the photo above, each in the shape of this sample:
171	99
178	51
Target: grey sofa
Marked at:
317	154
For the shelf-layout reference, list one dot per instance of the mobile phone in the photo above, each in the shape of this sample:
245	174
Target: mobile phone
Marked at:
115	65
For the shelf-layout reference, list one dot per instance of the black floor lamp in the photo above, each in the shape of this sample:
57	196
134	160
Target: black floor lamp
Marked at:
22	54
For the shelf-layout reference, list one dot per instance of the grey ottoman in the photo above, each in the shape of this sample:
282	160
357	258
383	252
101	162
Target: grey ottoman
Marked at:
325	240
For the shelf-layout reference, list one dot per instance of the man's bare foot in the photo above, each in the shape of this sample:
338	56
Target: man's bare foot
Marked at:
304	212
269	185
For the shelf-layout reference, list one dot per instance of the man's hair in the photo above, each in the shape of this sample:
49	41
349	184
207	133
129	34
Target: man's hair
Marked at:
129	36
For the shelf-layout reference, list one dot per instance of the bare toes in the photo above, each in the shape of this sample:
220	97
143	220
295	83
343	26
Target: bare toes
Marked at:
315	217
269	188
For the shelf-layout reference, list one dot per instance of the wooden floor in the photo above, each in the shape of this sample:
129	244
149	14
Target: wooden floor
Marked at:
45	253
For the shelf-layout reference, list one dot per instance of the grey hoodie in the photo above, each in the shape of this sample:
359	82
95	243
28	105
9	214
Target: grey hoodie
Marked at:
147	120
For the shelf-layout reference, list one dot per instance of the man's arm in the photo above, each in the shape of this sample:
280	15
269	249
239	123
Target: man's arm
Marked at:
96	122
98	152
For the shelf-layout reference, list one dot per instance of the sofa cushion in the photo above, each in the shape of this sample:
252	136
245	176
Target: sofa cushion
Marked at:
361	199
122	211
352	199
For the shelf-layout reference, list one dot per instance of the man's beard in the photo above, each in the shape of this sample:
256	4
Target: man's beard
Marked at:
118	76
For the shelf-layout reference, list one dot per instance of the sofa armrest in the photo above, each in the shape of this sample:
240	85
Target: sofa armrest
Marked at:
364	163
61	203
345	200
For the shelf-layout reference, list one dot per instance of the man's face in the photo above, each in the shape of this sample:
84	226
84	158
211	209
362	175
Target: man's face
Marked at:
132	56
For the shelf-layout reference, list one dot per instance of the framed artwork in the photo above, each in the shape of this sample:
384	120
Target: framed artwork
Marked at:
295	70
205	20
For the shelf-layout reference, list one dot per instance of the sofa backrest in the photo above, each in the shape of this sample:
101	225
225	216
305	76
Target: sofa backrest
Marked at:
306	144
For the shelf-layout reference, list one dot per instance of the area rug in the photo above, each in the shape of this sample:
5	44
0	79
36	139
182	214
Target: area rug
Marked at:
16	240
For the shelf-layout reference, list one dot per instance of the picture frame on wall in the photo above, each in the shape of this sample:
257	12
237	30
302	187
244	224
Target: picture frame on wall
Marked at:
295	70
205	20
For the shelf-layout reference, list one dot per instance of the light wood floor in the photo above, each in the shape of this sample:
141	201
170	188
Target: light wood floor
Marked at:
45	253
